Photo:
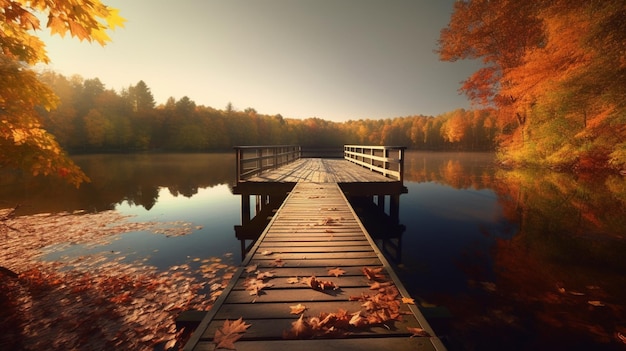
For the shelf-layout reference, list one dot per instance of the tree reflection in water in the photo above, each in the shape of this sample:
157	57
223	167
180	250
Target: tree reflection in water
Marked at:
557	283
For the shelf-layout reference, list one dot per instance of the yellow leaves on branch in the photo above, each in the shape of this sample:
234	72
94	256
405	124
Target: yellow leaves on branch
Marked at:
25	143
84	19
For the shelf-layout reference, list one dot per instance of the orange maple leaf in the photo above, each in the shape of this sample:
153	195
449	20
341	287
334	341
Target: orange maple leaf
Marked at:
229	333
297	309
373	273
408	300
336	272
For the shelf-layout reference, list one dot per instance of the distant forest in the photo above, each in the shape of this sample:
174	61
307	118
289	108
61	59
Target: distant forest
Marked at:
92	118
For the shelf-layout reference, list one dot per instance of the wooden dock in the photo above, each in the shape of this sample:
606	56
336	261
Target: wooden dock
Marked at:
315	280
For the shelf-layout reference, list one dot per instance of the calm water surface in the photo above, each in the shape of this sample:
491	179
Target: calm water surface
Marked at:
515	260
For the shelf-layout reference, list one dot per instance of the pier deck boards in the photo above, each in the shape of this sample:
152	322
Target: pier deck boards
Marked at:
313	231
320	170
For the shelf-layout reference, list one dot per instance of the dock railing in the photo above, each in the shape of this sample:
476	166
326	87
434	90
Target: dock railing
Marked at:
386	160
252	160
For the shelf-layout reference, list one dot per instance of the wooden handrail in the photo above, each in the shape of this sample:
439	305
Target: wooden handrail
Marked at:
252	160
386	160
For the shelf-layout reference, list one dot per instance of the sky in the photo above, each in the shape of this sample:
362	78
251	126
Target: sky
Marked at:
332	59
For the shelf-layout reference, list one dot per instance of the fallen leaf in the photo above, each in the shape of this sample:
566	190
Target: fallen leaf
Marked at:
595	303
357	320
252	268
320	285
263	275
297	309
293	280
229	333
373	273
408	300
278	262
266	252
417	331
254	286
378	285
336	272
299	329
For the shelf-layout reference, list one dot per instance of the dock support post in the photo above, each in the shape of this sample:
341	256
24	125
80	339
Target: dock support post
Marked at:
245	209
381	202
394	208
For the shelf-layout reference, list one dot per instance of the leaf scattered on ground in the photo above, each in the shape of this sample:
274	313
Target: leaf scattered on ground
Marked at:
336	272
373	273
408	300
297	309
417	331
293	280
231	331
319	285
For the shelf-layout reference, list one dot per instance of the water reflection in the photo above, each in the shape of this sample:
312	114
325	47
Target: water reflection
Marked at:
135	179
528	259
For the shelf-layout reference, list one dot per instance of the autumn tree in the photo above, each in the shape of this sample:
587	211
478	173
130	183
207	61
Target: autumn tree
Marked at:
24	142
556	72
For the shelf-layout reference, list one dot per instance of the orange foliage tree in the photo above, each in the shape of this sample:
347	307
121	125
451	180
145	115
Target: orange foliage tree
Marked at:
555	70
25	144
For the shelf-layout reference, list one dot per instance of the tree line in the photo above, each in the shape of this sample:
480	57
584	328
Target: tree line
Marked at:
92	118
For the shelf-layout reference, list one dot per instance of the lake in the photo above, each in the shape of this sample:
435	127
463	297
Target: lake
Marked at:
498	259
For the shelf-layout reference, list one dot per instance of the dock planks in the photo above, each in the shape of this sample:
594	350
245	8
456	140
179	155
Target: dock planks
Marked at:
320	170
314	230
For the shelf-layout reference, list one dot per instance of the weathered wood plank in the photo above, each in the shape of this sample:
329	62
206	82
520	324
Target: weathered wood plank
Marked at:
325	244
277	328
284	283
316	255
318	262
296	295
354	344
287	272
314	247
282	310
